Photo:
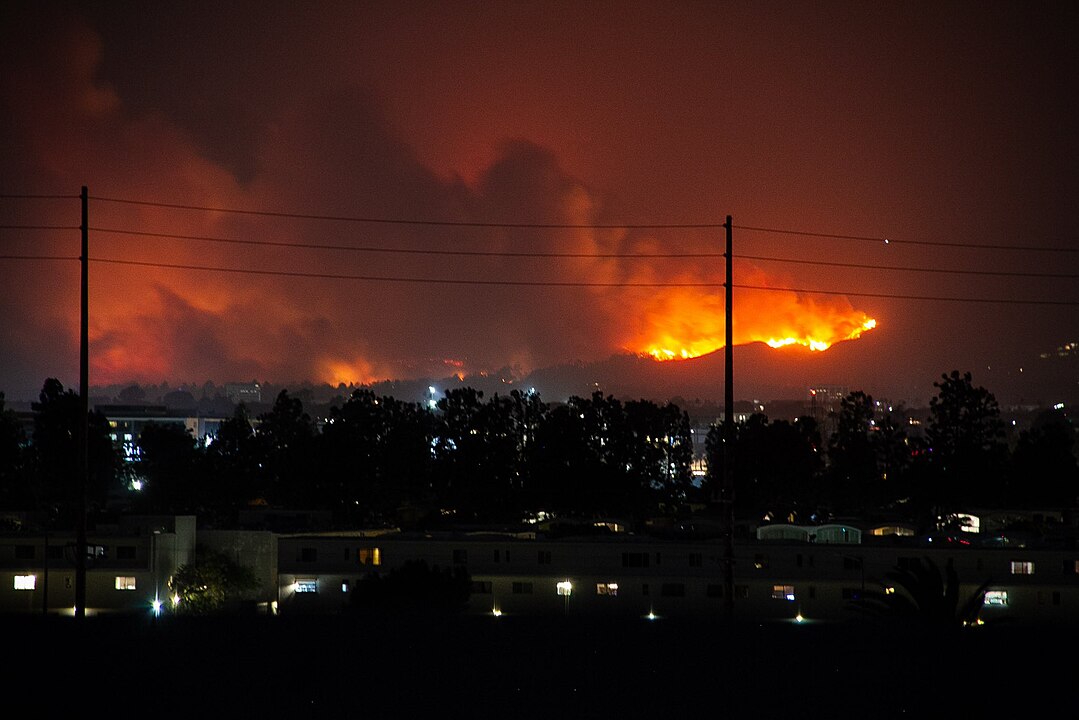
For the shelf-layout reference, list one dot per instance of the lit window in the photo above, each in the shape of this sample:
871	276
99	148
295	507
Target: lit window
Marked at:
25	582
607	589
996	597
1022	567
370	556
760	561
565	587
344	586
307	586
125	582
783	592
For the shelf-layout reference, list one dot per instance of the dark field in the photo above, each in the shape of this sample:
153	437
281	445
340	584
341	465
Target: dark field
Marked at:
527	667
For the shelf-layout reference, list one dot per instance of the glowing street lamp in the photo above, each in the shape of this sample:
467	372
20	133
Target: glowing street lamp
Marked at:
565	589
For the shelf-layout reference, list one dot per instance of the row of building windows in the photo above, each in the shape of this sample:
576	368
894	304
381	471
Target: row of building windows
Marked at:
56	552
29	582
372	556
610	589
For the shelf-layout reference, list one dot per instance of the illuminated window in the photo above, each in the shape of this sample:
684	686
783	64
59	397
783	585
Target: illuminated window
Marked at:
125	582
1022	567
760	561
607	589
25	582
565	587
370	556
307	586
996	597
783	592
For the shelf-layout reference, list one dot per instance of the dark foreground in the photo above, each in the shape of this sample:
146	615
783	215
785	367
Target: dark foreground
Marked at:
528	668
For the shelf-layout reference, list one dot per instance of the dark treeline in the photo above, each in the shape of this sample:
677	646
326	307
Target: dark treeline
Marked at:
376	460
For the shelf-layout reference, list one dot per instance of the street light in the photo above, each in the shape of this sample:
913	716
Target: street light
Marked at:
565	589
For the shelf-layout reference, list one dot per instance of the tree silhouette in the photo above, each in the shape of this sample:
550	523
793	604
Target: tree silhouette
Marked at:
169	462
284	440
16	491
211	584
966	442
55	453
776	467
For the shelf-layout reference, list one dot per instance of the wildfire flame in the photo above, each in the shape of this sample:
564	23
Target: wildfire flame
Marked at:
680	327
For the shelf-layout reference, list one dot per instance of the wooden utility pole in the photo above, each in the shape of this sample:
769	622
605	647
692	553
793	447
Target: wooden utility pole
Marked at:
84	420
727	497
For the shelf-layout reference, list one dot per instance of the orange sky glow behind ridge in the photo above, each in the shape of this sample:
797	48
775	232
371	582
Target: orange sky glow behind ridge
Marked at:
559	171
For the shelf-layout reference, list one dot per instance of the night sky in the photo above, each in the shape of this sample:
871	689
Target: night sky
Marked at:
948	128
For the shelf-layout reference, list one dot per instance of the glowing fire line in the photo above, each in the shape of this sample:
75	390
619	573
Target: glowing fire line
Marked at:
704	347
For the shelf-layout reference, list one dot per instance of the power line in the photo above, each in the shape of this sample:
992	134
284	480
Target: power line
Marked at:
40	227
40	257
888	241
542	283
480	253
12	196
440	281
591	226
911	297
406	251
406	221
909	269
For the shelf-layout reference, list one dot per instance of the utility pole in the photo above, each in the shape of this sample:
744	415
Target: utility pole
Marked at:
727	497
84	421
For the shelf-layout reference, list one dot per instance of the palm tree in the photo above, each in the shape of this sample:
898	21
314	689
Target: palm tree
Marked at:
929	596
